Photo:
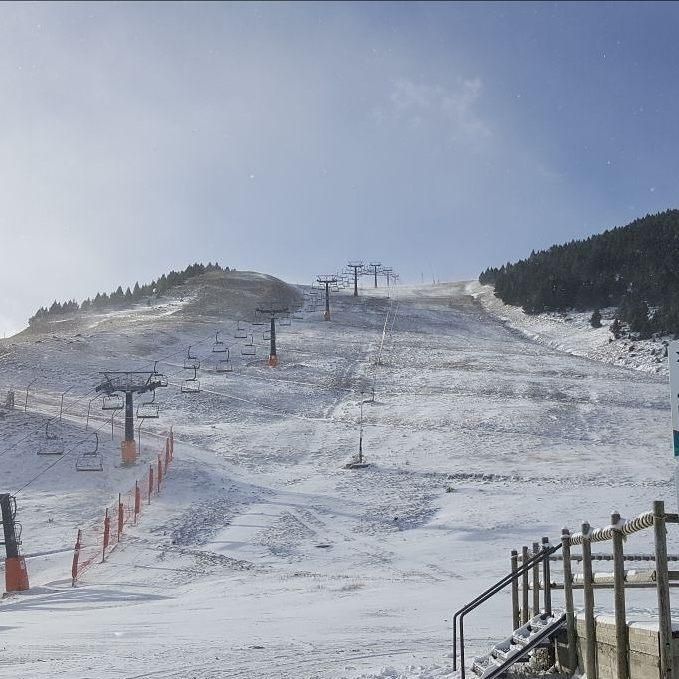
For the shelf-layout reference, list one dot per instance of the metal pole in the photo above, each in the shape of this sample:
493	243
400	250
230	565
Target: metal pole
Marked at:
375	267
355	268
28	386
129	417
588	591
11	542
327	301
568	600
663	589
61	407
272	349
619	589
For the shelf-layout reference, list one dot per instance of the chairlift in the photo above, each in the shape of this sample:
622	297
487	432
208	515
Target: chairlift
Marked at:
266	336
284	321
259	321
148	410
241	331
192	384
224	365
249	348
113	402
158	378
91	460
191	362
53	445
219	347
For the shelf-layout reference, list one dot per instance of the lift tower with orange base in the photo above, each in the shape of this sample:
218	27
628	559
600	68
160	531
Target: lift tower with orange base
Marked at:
130	382
272	312
327	281
16	575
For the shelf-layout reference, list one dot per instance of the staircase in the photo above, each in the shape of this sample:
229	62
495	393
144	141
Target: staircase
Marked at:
536	633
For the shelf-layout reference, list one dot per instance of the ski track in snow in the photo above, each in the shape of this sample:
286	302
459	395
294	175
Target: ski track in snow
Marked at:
263	557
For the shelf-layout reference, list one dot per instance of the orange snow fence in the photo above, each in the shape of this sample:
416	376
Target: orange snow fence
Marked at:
95	543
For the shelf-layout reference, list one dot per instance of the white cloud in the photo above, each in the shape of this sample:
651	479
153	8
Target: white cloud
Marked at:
453	110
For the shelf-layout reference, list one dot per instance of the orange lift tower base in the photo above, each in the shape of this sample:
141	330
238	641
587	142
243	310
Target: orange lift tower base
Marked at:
16	575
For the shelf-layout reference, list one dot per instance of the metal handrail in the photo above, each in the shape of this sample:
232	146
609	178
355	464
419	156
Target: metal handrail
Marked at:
490	592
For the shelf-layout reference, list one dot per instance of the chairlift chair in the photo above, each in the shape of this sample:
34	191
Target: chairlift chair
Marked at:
148	410
284	321
266	336
241	331
112	402
224	365
219	347
192	384
158	378
91	460
191	362
249	348
53	445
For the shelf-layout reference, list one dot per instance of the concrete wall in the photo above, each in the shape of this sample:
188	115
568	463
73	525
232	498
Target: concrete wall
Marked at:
643	655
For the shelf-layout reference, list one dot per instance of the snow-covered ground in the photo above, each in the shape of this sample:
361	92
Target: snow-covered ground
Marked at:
572	332
263	556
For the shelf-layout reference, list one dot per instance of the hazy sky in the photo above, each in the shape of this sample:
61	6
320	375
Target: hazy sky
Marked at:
287	138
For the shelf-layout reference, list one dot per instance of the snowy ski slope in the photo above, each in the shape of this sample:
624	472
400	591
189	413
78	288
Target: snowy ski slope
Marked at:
263	557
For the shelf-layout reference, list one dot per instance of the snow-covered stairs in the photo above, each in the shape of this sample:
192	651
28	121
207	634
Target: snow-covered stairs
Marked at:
535	633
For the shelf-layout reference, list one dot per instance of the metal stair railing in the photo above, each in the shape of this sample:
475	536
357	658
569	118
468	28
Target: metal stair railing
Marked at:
543	554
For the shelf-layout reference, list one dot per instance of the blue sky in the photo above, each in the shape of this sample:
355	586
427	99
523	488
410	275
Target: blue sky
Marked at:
288	138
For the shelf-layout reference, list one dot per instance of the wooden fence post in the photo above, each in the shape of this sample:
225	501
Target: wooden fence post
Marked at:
536	580
663	589
121	515
524	586
76	558
568	600
588	591
515	592
107	532
546	576
619	591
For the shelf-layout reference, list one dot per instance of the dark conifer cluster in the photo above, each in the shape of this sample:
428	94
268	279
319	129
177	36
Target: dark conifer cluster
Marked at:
123	298
634	268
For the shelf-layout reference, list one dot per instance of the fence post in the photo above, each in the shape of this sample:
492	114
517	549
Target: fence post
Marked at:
516	623
120	515
171	443
547	578
76	558
160	472
536	580
663	589
588	591
137	501
568	600
107	530
167	453
150	481
524	586
619	589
